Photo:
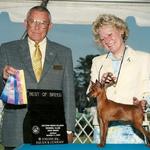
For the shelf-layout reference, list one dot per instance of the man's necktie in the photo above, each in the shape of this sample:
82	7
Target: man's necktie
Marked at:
37	62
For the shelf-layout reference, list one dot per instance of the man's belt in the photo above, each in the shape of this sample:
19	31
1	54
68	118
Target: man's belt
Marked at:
11	106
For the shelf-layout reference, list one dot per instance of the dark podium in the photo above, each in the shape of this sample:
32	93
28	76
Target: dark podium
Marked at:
44	122
83	147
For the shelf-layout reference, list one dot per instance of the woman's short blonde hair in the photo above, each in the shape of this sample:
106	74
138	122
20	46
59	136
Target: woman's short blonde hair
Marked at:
108	19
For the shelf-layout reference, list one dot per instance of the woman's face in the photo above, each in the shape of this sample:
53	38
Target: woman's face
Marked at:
111	38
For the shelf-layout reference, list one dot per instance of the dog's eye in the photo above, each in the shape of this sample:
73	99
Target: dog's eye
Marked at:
93	90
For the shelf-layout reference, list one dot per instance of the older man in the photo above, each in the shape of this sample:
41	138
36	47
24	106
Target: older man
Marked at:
20	54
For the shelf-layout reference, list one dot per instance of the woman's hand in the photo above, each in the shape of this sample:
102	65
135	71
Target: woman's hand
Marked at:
143	103
108	79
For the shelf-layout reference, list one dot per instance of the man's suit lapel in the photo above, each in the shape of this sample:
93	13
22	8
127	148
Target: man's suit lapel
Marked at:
49	58
25	57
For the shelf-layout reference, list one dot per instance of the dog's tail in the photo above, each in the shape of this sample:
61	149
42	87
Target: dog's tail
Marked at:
137	102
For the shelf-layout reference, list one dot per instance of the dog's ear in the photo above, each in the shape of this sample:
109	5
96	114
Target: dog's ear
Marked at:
98	83
102	83
92	82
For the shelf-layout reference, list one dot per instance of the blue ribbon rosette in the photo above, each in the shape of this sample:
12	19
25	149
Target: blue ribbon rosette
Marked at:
14	91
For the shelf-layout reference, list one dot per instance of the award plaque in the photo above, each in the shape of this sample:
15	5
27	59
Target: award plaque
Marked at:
46	117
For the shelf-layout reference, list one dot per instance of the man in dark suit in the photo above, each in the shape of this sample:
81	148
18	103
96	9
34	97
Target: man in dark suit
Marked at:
57	73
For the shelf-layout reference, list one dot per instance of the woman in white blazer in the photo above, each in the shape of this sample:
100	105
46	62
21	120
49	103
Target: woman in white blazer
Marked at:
130	69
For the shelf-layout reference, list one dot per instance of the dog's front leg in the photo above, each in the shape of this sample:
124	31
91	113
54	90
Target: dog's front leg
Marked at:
103	132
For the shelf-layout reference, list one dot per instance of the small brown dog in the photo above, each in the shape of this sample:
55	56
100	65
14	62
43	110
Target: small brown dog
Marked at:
109	110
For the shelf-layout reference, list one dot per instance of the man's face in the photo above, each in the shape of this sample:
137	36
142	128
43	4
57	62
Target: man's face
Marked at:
37	25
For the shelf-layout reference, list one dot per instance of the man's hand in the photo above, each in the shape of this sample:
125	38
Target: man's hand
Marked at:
143	103
7	71
70	137
108	79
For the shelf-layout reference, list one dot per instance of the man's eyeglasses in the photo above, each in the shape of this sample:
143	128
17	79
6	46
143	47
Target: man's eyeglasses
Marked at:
42	24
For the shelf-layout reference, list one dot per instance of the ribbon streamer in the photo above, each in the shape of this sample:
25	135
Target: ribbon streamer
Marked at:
14	91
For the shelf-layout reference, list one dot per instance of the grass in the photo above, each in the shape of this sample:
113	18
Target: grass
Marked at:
1	147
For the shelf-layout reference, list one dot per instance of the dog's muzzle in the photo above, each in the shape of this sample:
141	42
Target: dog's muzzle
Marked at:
90	97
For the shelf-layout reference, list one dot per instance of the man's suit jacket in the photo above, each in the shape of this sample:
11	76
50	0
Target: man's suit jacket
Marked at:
57	75
134	78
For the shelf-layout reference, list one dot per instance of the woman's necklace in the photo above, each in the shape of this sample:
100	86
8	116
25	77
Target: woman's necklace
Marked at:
119	71
120	66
